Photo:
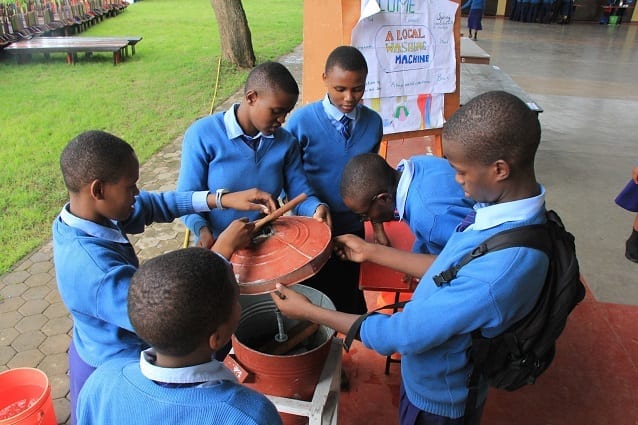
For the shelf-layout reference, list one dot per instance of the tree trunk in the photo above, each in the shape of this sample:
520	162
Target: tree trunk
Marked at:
234	33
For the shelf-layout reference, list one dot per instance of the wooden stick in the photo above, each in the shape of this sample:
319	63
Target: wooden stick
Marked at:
280	211
296	335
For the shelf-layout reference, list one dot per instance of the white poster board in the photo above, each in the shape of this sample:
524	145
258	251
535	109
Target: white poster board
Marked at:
409	48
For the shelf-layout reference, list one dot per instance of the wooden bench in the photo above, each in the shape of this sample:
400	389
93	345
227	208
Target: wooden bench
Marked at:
477	79
473	53
132	40
74	45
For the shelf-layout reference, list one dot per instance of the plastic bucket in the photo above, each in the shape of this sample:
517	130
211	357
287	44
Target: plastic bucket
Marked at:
613	20
25	398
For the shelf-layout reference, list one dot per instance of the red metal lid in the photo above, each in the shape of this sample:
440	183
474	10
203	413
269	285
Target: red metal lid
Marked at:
287	251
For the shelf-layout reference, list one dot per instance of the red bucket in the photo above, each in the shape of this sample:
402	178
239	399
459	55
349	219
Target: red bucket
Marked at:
25	397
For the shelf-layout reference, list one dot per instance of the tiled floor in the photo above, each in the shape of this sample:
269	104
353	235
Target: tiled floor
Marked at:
584	77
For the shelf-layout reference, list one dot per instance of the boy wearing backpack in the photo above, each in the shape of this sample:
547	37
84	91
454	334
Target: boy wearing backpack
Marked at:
491	143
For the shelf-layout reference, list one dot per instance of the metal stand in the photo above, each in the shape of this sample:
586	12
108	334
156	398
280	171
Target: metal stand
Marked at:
324	406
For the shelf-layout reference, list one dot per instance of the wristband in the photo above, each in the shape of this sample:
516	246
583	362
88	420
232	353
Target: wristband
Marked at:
218	198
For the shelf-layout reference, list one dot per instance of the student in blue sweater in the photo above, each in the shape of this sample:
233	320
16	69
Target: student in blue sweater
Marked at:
93	257
422	191
185	304
330	132
247	147
491	142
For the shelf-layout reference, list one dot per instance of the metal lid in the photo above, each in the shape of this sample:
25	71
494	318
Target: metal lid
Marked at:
287	251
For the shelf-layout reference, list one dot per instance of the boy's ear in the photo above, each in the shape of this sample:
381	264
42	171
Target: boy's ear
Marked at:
213	341
96	189
251	97
386	198
324	77
219	338
501	169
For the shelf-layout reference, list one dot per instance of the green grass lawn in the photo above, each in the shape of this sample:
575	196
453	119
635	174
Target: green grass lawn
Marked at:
148	100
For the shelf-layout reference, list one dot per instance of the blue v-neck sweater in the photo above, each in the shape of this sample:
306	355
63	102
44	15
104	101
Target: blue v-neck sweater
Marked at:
325	153
211	161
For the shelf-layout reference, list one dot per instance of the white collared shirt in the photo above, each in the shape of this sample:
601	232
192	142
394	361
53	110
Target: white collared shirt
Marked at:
112	234
205	374
335	114
492	215
407	172
234	130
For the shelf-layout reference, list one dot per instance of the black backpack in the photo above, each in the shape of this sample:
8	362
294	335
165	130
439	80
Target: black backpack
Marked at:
522	353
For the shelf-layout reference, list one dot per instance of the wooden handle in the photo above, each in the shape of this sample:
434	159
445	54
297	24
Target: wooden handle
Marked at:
296	335
280	211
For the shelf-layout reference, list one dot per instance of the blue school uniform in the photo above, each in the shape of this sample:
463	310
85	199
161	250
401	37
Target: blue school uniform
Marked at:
476	14
325	153
93	267
432	333
215	156
136	392
431	201
326	147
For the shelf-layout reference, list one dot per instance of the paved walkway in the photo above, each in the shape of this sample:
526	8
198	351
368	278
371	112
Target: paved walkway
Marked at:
35	327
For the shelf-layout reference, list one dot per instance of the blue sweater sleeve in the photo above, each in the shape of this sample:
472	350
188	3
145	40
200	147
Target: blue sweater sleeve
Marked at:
196	155
160	207
296	181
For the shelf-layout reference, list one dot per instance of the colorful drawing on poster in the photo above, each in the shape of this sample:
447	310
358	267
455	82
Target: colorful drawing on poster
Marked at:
424	102
409	113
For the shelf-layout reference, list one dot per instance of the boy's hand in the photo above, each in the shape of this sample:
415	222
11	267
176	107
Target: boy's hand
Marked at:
291	303
634	174
205	239
351	247
248	200
237	235
322	213
380	236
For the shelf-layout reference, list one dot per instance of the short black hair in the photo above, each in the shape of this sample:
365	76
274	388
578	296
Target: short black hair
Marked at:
496	125
95	155
271	76
365	176
177	300
347	58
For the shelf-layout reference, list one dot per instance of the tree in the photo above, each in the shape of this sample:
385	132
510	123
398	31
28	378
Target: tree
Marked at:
236	41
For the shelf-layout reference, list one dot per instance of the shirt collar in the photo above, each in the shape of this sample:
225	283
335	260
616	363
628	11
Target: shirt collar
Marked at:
492	215
407	171
210	372
112	234
334	112
233	129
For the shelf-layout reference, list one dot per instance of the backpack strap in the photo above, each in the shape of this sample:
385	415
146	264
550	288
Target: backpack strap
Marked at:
534	236
353	332
531	236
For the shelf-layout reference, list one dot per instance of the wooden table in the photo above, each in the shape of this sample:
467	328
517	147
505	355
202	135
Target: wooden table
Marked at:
472	52
72	46
478	79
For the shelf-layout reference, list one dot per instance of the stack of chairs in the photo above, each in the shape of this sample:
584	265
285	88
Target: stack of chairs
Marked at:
25	19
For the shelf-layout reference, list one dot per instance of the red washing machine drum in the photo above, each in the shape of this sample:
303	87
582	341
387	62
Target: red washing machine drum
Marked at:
287	251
